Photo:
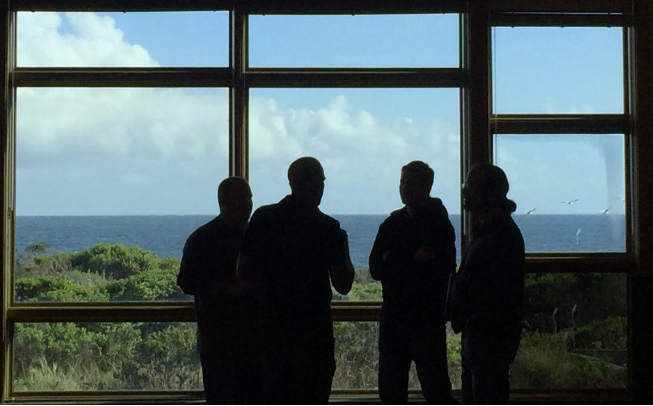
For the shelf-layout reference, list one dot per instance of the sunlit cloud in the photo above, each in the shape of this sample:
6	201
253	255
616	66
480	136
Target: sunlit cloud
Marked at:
62	123
121	128
94	41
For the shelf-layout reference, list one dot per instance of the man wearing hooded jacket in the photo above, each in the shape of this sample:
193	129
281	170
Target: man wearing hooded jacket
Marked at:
413	256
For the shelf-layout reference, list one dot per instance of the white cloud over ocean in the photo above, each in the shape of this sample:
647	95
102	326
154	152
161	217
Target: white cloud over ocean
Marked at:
118	129
163	151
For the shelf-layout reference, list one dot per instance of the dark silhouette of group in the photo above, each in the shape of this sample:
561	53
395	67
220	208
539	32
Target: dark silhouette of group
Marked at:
263	291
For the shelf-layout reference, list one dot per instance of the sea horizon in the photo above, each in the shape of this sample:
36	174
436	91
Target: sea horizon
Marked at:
165	235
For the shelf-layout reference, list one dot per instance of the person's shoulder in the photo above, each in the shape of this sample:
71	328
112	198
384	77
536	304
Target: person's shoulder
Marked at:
265	210
202	234
205	229
438	207
327	220
394	219
396	215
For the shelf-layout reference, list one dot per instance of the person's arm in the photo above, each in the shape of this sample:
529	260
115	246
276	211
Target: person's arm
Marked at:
190	268
383	260
379	256
458	300
342	277
342	274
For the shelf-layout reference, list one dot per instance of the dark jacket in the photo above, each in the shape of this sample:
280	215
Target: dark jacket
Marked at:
486	299
291	247
414	290
209	257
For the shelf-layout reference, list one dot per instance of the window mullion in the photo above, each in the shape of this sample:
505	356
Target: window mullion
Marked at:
239	95
561	124
322	78
157	77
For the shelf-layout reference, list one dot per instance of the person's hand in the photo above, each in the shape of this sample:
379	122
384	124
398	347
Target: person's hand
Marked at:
424	254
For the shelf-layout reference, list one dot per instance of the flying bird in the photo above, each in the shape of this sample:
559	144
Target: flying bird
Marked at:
577	235
606	210
570	201
530	211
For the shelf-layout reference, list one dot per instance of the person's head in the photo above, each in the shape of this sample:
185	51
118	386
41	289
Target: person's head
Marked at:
235	200
306	178
485	188
416	182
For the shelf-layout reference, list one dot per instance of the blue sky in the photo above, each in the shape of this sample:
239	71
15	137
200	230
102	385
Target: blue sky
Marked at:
163	151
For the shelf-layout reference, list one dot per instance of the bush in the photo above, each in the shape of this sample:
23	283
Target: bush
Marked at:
607	334
57	288
543	362
115	261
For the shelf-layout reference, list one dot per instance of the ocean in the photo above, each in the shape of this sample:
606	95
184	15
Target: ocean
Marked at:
165	235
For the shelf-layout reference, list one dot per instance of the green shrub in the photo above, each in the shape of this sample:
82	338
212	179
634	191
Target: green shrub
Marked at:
544	362
57	288
115	261
608	333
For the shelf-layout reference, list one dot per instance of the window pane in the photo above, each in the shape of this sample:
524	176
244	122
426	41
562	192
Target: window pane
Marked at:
110	183
362	137
357	357
569	190
558	70
105	356
360	41
576	332
134	39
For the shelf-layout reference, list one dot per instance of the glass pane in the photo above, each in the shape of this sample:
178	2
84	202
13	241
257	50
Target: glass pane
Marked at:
357	357
360	41
576	332
110	183
362	137
105	356
558	70
134	39
569	189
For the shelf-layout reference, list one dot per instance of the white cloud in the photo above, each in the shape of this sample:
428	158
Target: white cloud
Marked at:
94	42
123	127
61	123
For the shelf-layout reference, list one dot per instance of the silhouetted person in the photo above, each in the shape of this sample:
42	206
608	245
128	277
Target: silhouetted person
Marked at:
486	299
296	253
227	343
413	256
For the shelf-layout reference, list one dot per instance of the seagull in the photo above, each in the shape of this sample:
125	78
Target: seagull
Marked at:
605	211
530	211
577	234
570	201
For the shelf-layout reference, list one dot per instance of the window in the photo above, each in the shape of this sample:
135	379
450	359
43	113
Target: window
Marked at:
122	122
558	121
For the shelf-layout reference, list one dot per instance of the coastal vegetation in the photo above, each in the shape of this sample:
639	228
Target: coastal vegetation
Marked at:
574	331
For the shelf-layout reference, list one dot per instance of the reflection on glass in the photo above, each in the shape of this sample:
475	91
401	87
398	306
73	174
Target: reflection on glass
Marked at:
566	70
575	332
134	39
110	183
360	41
569	190
362	137
105	356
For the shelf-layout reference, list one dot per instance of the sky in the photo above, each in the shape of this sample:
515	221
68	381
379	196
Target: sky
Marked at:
141	151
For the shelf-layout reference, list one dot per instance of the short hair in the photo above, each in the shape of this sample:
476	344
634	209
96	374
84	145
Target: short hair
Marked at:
230	187
420	171
304	171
